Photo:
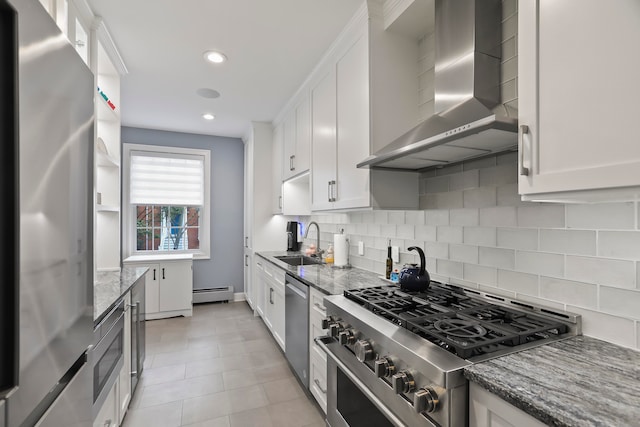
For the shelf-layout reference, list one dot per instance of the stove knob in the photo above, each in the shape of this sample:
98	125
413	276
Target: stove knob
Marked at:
403	382
425	400
347	337
364	350
384	367
327	321
335	328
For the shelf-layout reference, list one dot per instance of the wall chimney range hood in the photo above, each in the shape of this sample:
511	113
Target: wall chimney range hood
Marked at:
468	35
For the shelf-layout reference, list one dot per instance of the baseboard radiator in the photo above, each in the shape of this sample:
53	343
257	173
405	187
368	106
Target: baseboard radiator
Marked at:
213	295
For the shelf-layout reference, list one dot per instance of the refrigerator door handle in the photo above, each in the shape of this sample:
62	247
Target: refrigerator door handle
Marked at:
9	194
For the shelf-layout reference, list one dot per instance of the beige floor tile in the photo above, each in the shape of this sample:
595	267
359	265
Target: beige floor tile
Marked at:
242	399
179	390
294	413
253	417
239	378
218	365
218	422
168	415
277	371
191	355
282	390
166	347
163	374
205	408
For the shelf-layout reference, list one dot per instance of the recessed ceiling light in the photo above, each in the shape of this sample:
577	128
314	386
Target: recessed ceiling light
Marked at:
205	92
208	116
215	57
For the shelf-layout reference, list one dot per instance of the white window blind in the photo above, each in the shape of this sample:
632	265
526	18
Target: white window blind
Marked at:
166	179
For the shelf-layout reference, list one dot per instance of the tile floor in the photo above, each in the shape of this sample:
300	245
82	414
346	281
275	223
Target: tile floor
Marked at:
220	368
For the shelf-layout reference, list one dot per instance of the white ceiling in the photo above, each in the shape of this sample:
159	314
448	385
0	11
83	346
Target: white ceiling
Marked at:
272	45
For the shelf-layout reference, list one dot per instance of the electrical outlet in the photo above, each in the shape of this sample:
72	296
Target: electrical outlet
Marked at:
360	248
395	254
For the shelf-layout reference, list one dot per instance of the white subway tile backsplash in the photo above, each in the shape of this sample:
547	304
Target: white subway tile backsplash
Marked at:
464	217
483	197
464	253
501	216
449	170
612	272
541	215
459	282
425	232
414	217
396	217
480	274
484	162
507	195
438	184
509	48
427	201
577	242
496	291
481	236
464	180
509	69
449	268
500	175
540	263
540	301
436	250
450	200
619	244
622	302
576	293
406	232
518	238
598	216
381	217
495	257
373	229
449	234
437	217
388	230
521	283
615	329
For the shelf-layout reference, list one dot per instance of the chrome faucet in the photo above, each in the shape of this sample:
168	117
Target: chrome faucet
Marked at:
319	251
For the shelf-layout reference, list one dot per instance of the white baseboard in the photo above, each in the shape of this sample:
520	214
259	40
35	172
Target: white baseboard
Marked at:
239	296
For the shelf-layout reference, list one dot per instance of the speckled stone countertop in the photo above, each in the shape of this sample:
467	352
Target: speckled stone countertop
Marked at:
327	278
580	381
109	287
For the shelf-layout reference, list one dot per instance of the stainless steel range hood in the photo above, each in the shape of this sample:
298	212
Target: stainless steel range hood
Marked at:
468	37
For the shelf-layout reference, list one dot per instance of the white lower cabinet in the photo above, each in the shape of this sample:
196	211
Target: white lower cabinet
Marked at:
124	389
169	285
488	410
317	358
270	298
108	415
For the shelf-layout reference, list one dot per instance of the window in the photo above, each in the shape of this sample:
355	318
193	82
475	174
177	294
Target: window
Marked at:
167	197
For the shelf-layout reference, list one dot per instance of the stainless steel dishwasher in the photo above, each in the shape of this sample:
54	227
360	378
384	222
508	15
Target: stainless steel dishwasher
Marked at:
296	305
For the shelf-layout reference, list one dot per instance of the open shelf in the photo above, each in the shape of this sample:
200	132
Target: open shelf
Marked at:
107	208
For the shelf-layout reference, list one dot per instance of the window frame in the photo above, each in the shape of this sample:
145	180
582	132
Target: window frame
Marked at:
129	210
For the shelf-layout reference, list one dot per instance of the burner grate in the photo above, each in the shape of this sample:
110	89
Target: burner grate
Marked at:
463	325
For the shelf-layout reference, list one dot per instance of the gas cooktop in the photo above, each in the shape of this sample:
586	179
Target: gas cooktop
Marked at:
455	319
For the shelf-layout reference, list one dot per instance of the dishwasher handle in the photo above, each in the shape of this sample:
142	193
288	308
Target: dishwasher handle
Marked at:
298	292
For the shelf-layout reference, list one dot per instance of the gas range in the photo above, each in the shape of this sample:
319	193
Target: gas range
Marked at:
403	353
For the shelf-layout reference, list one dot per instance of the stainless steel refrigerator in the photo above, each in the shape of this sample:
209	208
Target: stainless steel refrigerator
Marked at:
46	199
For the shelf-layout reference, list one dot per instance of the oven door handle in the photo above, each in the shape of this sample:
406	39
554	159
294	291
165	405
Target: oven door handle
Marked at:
322	342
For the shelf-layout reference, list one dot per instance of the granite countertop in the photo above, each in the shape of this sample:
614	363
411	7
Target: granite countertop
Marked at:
327	278
580	381
110	286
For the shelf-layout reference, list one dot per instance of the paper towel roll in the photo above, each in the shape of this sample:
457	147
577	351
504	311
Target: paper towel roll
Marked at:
340	250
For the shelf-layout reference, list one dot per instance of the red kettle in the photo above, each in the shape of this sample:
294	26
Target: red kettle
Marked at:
412	277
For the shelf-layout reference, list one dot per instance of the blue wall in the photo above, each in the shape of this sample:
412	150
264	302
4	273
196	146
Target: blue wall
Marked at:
225	268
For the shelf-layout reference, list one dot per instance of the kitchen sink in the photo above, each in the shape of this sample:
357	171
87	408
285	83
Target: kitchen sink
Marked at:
299	260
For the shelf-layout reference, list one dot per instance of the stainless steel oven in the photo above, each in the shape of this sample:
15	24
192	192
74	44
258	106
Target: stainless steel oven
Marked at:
107	355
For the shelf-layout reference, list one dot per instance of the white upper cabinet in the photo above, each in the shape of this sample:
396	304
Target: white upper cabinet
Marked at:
296	140
276	161
360	102
578	99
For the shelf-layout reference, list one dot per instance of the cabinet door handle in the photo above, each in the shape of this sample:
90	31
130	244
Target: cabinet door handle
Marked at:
323	390
162	273
280	202
329	191
154	274
320	307
246	260
524	171
246	241
270	295
293	162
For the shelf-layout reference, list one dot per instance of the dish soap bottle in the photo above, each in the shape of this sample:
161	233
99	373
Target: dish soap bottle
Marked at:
329	258
395	277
